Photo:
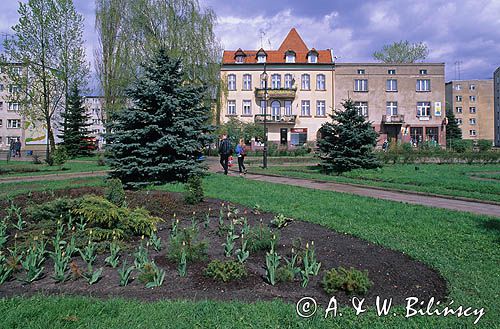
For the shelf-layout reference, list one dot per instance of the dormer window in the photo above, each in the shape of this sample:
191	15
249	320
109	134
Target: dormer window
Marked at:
261	56
240	59
312	56
239	56
290	56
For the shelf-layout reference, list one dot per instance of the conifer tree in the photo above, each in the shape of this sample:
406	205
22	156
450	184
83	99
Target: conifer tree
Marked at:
347	142
75	135
159	139
453	131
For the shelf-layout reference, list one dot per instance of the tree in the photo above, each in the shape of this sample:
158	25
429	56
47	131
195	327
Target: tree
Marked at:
75	134
453	131
160	138
402	52
347	142
236	129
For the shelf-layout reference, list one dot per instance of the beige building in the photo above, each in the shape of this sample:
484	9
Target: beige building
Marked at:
496	79
404	102
96	117
11	123
472	104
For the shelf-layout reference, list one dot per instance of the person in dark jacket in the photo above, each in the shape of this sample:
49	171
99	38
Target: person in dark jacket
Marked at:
18	148
225	150
241	153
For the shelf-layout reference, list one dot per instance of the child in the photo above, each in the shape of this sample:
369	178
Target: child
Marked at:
241	153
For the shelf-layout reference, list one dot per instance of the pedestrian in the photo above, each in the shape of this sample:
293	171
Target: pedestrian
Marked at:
225	150
241	153
18	147
385	145
12	148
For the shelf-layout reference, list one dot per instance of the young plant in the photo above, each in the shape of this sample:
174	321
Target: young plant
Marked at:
187	239
291	264
206	223
221	216
245	228
32	263
183	261
155	241
242	253
141	256
229	244
93	276
125	273
351	281
159	276
5	269
19	225
225	270
82	224
311	265
3	233
61	264
71	248
89	254
272	263
113	258
280	221
175	225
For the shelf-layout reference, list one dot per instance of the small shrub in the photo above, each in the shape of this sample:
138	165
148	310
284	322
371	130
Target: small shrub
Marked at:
187	239
260	238
225	270
115	192
280	221
284	274
350	281
36	159
58	208
101	161
484	145
194	190
59	156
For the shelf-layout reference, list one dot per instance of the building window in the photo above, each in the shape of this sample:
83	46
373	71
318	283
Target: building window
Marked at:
391	72
458	98
432	134
458	87
391	85
247	107
1	106
392	108
263	106
472	132
261	59
459	109
13	106
239	59
459	121
361	71
290	58
1	123
306	109
14	89
362	108
472	87
312	58
288	81
416	135
247	82
298	136
275	110
472	121
424	85
231	107
361	85
1	87
13	123
320	82
306	82
472	98
320	108
423	109
288	107
423	72
231	82
276	81
472	109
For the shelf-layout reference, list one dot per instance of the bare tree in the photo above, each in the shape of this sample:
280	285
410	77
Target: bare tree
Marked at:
402	52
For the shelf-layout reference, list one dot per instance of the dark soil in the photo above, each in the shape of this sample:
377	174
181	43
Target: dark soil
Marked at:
394	274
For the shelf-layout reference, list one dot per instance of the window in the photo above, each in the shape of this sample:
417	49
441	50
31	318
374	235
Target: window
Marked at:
360	85
423	72
416	134
276	81
472	121
306	109
13	106
306	82
288	107
361	71
298	136
312	58
288	81
423	109
1	87
459	121
458	87
290	58
1	122
231	107
14	89
275	110
424	85
472	109
1	106
247	82
472	98
458	98
392	108
13	123
261	59
391	72
320	108
472	132
432	134
459	109
263	106
362	108
247	107
239	59
231	82
392	85
320	82
16	70
472	87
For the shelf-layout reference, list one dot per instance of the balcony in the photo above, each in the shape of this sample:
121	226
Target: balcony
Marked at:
281	119
276	93
393	119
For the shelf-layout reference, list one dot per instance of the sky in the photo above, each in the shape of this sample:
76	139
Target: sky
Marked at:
464	34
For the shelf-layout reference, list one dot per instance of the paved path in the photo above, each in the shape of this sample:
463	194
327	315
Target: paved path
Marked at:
53	177
480	208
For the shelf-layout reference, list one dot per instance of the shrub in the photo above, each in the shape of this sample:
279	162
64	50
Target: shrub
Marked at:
195	250
115	192
484	145
284	274
260	238
461	145
36	159
280	221
350	281
194	190
101	160
225	270
60	156
56	209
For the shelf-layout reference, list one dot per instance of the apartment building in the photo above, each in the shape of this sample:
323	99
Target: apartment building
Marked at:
472	104
496	80
404	102
96	117
299	84
11	123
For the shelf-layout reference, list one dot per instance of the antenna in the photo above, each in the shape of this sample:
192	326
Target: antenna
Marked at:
262	34
457	70
269	43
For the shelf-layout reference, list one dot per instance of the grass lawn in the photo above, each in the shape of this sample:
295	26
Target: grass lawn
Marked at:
463	247
26	168
444	179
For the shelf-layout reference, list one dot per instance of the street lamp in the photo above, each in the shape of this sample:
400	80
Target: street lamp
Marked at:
263	78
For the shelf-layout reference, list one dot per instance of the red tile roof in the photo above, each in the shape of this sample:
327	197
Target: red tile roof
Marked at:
293	41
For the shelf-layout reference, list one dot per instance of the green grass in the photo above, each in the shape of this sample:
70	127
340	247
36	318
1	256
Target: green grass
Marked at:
444	179
44	169
463	247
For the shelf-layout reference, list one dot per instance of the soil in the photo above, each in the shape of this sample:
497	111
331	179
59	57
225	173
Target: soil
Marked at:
394	274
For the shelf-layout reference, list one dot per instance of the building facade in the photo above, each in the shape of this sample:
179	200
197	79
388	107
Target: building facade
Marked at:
405	102
11	122
472	104
496	123
96	117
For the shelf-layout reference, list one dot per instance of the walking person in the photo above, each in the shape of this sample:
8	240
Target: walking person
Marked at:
12	148
241	153
18	148
225	150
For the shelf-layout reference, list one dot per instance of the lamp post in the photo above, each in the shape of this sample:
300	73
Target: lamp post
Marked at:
263	78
